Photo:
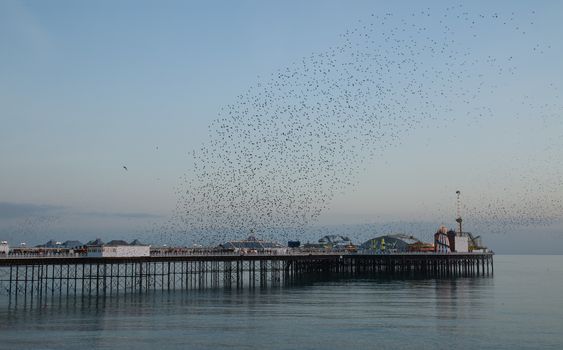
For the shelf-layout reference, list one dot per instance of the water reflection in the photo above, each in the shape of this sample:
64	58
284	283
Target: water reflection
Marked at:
447	291
329	312
327	308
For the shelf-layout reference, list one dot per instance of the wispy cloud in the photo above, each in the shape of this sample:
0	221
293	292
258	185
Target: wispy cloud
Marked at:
9	210
131	215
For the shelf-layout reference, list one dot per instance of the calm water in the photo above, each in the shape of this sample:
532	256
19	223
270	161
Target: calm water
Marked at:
520	307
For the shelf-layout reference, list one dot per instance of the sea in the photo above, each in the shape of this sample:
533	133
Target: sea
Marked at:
520	306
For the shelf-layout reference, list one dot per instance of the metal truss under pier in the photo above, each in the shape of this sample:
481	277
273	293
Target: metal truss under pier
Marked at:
42	277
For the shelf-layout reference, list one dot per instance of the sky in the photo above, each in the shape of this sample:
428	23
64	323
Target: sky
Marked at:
88	89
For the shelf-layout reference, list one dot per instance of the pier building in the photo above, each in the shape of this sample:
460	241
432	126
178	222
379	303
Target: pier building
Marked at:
394	243
253	245
118	248
4	248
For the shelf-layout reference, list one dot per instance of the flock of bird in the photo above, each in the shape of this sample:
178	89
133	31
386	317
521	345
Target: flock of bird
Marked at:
279	155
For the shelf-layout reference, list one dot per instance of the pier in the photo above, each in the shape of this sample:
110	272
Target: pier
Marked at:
41	277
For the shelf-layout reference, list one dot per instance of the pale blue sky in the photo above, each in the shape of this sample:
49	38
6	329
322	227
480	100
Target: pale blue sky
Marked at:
87	87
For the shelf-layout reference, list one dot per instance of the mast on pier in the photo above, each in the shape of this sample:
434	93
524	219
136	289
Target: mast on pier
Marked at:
459	220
